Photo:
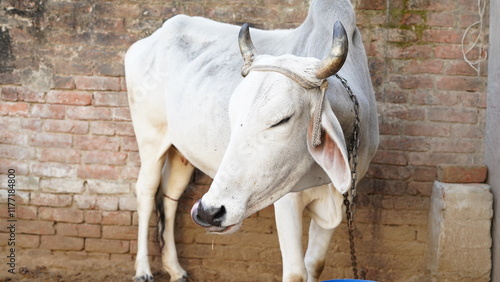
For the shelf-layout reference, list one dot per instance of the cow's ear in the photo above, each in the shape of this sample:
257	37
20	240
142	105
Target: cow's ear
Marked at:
331	154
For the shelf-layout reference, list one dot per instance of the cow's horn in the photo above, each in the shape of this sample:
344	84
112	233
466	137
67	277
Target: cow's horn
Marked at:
334	61
246	48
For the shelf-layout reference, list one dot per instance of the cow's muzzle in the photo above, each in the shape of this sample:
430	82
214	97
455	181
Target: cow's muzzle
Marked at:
211	218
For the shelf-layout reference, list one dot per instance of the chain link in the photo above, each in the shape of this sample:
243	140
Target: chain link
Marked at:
352	149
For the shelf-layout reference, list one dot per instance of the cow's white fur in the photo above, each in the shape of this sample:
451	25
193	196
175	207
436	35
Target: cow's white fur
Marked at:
185	90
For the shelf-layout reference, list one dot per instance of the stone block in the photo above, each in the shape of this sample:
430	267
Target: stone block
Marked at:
459	239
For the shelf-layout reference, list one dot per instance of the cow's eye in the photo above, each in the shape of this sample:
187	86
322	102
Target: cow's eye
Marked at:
281	122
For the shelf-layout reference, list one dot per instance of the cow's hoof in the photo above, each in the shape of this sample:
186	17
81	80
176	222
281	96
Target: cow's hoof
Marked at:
144	278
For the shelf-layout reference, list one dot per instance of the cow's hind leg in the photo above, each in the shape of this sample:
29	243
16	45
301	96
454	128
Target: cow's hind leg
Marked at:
176	176
152	154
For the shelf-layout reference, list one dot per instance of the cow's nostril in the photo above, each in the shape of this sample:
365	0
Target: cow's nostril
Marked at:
211	215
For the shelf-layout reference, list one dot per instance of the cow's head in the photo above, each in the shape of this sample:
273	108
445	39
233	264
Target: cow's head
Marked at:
280	126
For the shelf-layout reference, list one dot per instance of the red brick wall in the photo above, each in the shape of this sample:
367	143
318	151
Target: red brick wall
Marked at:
66	131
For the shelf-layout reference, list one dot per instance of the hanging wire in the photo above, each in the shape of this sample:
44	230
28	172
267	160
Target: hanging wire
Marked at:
475	64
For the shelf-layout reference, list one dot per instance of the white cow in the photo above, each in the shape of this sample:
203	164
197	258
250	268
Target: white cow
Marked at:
259	137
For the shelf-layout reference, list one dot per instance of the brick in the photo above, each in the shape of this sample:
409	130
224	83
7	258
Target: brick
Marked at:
26	241
69	97
456	145
401	35
121	114
48	111
423	66
427	129
121	257
67	156
410	52
418	144
460	68
51	140
448	51
43	199
61	214
28	95
112	128
96	143
371	5
129	144
66	126
107	158
55	170
390	157
26	212
108	187
473	99
441	98
462	173
63	82
89	113
466	131
61	243
85	202
89	230
442	18
27	183
405	113
106	246
14	109
21	167
412	81
472	84
389	172
92	216
390	128
130	173
98	172
9	93
56	185
107	203
436	158
97	83
66	229
458	115
116	218
442	36
127	204
424	174
33	124
36	227
114	99
13	137
119	232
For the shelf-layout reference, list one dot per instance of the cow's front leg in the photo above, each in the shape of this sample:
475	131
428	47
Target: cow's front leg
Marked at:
326	212
317	247
176	176
288	213
147	184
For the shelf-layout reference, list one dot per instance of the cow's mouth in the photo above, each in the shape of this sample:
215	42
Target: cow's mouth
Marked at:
212	228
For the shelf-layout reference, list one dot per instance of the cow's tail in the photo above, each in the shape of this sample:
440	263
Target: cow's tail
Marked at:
160	218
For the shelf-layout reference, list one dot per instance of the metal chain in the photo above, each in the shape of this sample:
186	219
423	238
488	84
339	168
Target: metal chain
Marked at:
353	159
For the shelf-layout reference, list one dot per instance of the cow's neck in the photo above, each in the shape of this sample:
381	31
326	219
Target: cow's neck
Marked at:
314	37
